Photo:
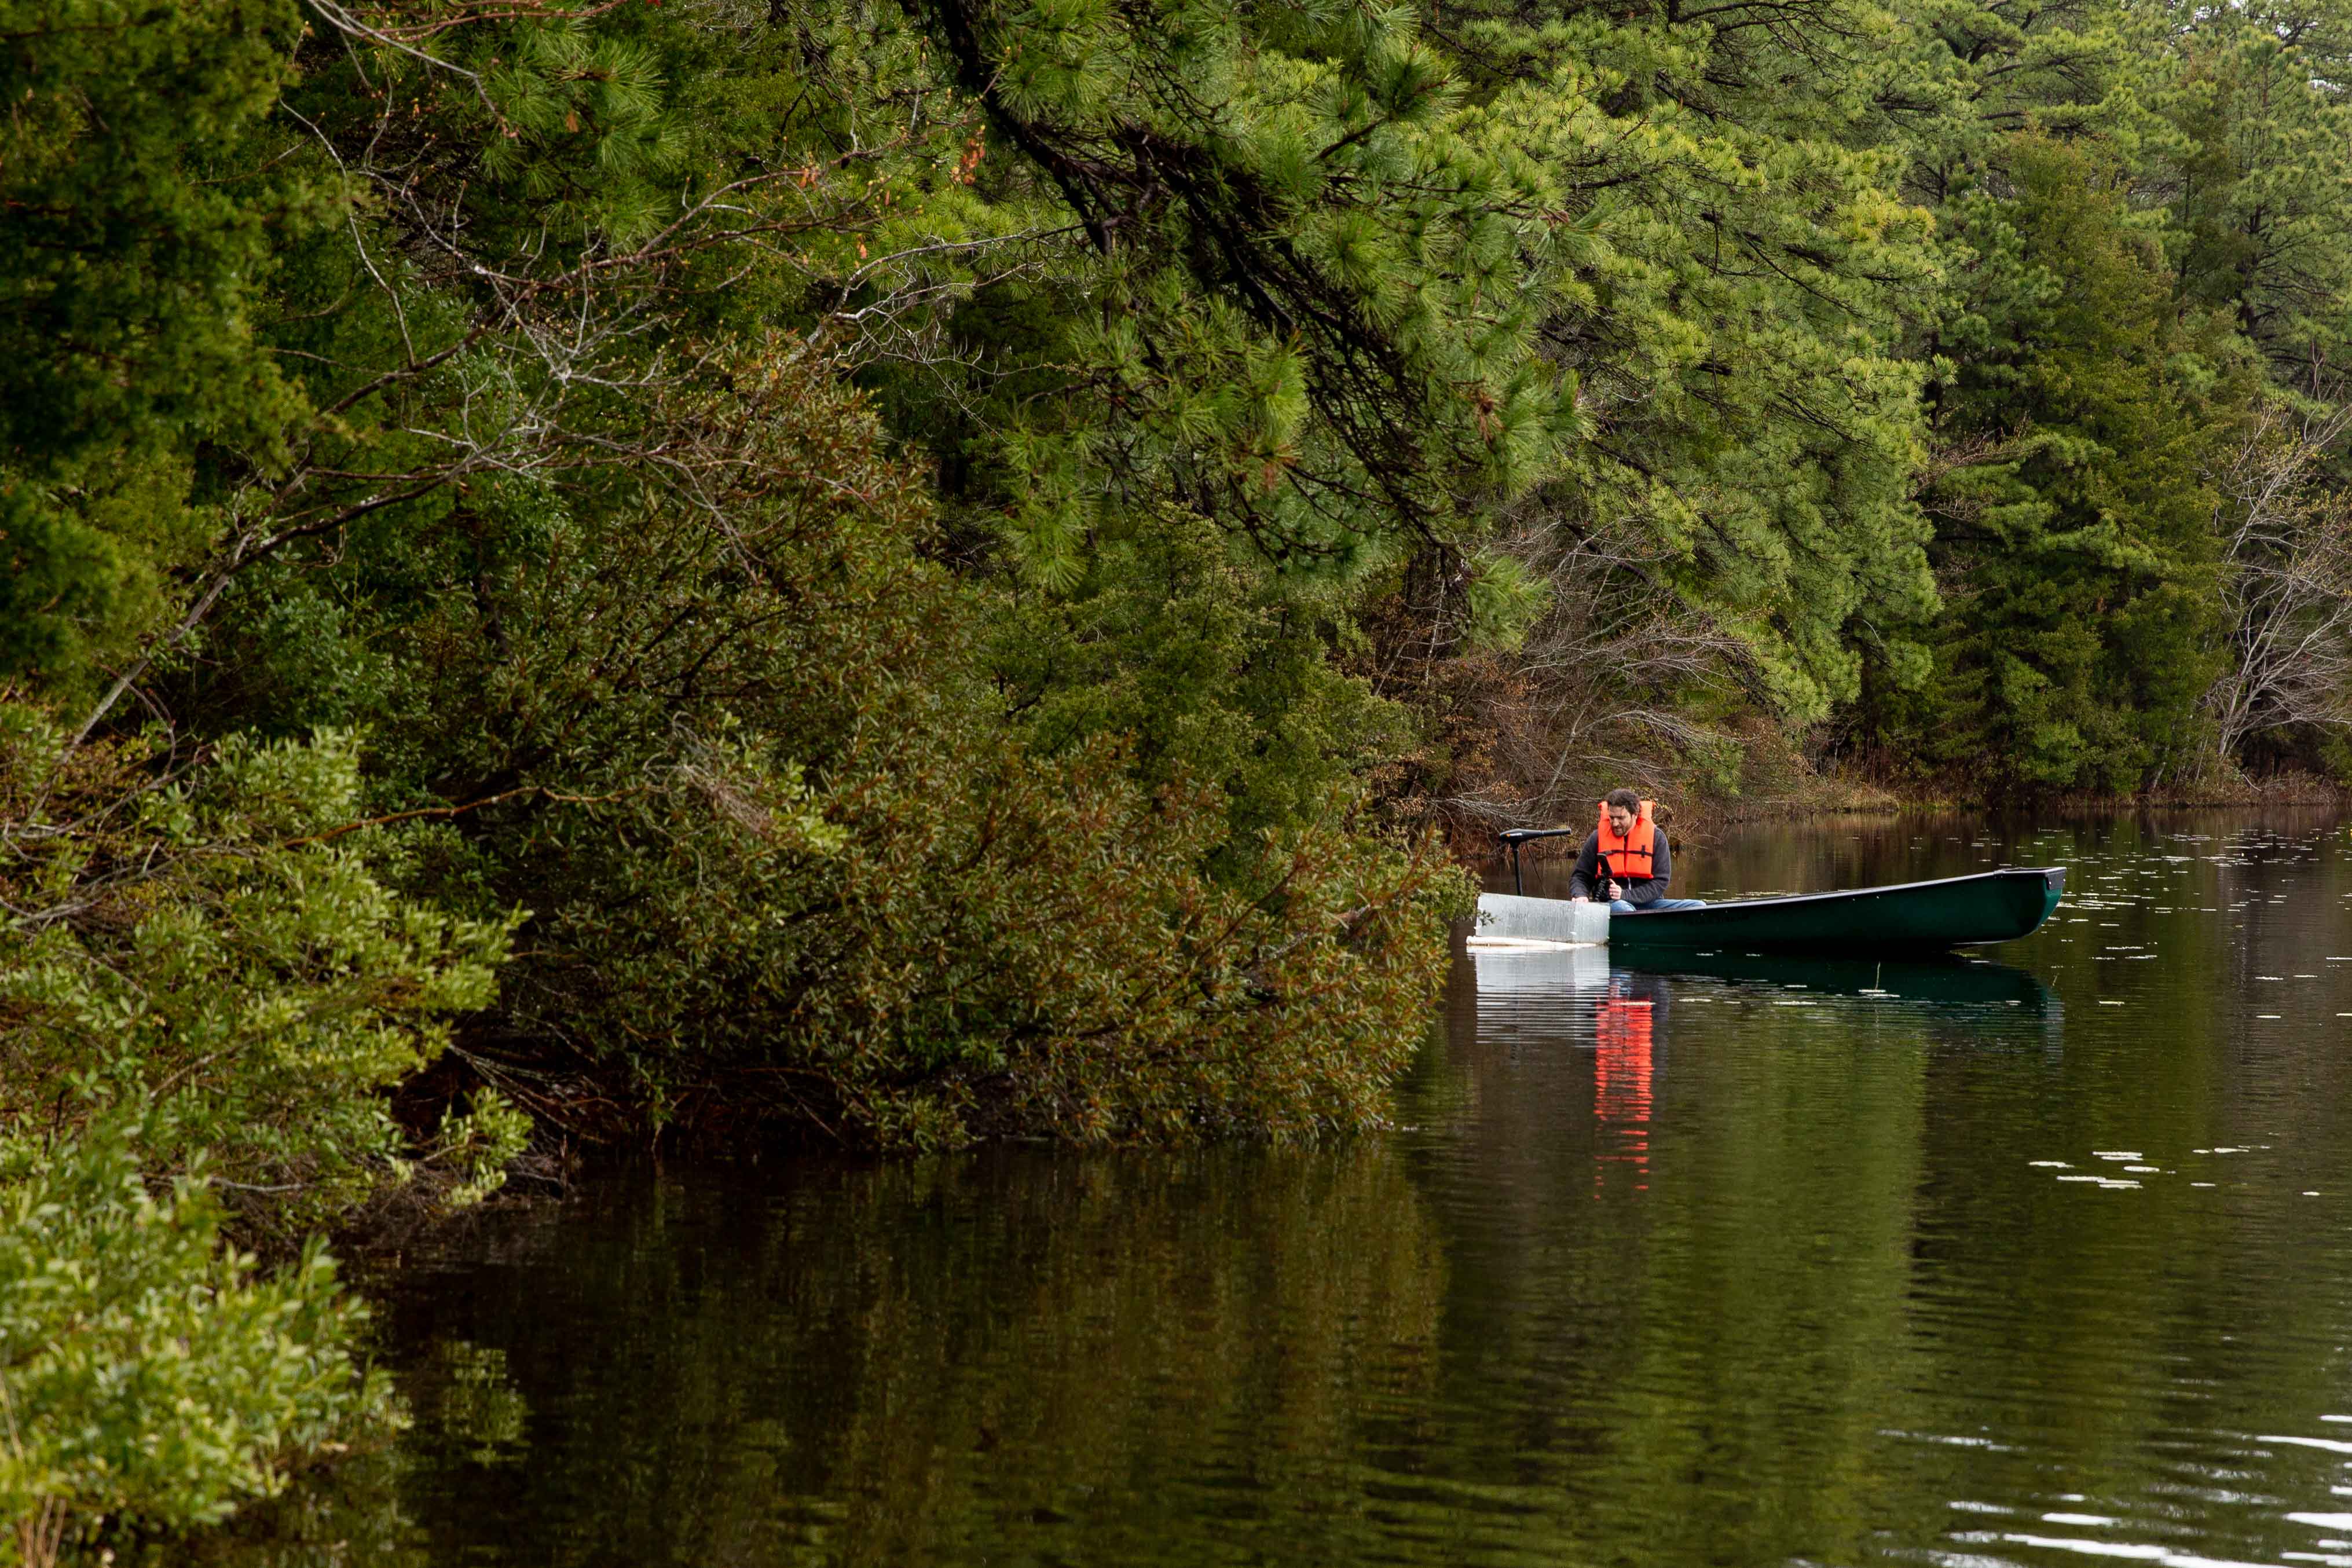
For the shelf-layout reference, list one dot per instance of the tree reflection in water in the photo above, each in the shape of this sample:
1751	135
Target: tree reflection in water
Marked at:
983	1358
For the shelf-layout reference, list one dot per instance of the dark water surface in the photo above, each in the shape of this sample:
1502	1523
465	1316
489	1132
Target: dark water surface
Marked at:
2023	1262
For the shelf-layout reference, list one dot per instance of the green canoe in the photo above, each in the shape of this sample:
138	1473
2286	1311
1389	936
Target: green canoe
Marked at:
1953	911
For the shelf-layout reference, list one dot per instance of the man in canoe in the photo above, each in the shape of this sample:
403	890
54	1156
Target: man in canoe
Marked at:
1626	857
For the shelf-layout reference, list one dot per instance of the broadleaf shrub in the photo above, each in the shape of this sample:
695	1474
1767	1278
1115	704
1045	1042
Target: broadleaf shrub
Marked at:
211	954
149	1372
796	857
205	992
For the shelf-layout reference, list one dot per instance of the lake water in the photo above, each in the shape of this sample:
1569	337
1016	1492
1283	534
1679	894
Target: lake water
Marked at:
2032	1261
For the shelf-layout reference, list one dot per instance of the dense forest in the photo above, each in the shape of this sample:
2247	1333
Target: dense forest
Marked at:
921	572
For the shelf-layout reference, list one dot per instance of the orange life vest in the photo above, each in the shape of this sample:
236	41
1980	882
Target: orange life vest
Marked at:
1630	856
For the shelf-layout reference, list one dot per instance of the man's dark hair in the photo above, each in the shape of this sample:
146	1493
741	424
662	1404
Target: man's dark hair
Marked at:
1626	798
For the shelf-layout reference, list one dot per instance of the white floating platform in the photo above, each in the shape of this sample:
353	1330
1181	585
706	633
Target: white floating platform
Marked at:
1538	923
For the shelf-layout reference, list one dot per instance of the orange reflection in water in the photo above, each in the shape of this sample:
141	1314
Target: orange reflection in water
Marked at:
1621	1097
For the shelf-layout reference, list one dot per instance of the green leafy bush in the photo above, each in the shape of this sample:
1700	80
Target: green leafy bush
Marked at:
205	992
148	1371
734	740
209	952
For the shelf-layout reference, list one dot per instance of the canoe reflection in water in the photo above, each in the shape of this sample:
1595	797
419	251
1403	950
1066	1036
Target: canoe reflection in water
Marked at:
1574	997
1544	1006
1938	979
1530	982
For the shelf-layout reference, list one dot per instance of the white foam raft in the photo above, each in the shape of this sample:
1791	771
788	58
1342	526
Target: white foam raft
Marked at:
1508	922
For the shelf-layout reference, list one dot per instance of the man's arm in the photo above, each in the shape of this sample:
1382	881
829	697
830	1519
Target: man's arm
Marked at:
1649	890
1587	871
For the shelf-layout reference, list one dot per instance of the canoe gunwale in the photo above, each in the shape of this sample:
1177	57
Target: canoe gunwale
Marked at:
1782	900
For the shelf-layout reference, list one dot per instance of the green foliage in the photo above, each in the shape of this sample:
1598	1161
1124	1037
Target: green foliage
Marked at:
1308	297
87	554
791	861
130	268
205	992
1506	599
129	272
588	132
1040	955
1737	273
2254	147
2084	622
1212	673
148	1372
212	959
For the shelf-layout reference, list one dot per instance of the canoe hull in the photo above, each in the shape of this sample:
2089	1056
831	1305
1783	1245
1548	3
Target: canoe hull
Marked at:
1923	917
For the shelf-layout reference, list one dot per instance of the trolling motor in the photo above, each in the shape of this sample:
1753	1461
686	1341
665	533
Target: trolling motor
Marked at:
1513	838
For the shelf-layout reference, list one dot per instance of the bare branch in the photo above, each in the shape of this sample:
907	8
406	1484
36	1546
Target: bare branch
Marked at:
2287	582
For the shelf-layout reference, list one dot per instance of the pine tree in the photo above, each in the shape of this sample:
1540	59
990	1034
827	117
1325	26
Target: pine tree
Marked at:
2082	626
134	249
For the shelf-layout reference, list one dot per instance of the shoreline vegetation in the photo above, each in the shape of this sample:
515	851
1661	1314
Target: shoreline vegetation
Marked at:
930	571
1835	796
